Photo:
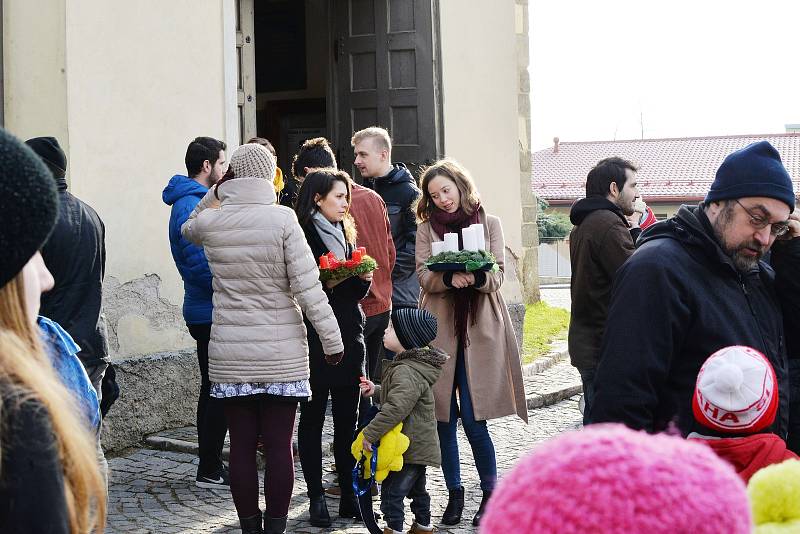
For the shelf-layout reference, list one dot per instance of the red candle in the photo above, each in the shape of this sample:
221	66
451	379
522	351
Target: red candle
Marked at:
323	262
357	256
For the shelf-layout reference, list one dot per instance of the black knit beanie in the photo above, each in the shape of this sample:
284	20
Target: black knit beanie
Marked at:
28	205
51	153
415	328
753	171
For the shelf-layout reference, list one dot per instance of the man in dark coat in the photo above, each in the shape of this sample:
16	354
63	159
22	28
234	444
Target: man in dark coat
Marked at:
606	227
75	253
696	284
373	157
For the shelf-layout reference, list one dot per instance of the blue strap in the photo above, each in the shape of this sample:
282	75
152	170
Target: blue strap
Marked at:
358	472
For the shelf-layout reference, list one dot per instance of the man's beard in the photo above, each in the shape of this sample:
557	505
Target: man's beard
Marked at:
743	263
213	178
625	205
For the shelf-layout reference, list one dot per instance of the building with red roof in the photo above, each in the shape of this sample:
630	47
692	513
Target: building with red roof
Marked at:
672	171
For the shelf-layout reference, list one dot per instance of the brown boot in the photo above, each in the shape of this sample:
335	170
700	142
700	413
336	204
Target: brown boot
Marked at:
415	529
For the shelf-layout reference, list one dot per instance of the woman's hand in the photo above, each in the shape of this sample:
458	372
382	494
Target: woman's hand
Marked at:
330	284
367	444
367	277
462	280
367	387
334	359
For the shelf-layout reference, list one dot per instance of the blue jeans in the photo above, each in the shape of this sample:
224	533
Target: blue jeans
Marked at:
477	434
408	482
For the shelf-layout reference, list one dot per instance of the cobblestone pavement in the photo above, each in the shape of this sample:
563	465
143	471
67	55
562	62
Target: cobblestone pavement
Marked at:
557	296
153	491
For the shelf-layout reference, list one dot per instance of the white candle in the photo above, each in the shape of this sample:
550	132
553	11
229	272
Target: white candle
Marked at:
478	229
469	238
437	247
451	242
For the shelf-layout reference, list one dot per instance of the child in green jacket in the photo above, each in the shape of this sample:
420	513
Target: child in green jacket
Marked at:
406	395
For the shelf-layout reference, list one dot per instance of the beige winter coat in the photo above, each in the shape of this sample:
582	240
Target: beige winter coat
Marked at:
264	278
494	371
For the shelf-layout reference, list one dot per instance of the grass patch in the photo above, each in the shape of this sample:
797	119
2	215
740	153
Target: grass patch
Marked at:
543	325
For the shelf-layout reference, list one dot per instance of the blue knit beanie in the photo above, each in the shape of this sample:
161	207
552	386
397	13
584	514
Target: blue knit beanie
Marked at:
753	171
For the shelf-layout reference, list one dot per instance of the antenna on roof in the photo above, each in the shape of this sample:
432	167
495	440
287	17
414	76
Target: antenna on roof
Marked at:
641	122
555	145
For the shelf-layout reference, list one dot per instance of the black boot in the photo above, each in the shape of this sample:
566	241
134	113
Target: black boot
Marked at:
251	525
348	507
318	510
274	525
455	507
484	500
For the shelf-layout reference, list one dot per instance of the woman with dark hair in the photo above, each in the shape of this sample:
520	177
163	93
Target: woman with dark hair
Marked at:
264	275
474	326
323	211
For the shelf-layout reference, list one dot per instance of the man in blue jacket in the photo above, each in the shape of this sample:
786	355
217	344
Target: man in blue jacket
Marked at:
697	283
205	165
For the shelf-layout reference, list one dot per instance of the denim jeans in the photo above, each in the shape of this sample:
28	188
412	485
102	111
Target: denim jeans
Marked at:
477	434
587	379
408	482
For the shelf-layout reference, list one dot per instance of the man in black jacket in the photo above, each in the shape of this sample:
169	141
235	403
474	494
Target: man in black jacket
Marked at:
606	227
697	284
75	254
372	148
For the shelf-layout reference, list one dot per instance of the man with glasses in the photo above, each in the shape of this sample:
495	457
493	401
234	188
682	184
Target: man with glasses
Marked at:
696	284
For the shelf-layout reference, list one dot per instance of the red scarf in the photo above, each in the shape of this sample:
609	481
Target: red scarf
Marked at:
464	299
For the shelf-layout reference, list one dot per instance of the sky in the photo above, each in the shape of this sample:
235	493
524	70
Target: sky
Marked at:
604	70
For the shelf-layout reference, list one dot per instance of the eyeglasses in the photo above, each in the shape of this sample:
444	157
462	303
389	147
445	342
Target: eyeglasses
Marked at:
758	222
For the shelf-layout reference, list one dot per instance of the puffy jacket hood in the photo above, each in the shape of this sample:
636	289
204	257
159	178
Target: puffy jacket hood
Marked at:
399	174
180	186
426	361
583	207
247	191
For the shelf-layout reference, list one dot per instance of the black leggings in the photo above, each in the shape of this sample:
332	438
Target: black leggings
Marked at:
344	406
249	416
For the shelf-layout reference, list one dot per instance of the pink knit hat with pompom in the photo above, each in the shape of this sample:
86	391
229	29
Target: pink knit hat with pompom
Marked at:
607	478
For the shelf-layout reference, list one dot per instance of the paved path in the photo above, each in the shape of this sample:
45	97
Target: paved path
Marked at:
153	491
557	296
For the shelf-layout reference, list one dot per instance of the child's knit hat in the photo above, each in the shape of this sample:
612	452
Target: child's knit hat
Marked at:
610	479
736	392
415	328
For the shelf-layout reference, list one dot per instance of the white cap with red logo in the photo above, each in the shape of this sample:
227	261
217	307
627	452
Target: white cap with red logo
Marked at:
736	391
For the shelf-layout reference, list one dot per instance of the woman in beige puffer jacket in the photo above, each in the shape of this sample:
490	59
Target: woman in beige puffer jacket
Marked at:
265	278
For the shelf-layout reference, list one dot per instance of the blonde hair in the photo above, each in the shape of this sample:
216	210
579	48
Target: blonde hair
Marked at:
30	374
449	168
384	142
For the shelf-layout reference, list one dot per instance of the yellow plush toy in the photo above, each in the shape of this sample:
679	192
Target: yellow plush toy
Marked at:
774	493
277	181
390	452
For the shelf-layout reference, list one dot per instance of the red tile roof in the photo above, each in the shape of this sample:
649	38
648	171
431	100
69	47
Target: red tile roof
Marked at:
670	170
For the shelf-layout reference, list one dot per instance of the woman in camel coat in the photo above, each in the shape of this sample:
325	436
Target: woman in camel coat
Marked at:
475	328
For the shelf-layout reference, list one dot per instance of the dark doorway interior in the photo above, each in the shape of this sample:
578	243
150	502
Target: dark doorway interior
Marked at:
292	65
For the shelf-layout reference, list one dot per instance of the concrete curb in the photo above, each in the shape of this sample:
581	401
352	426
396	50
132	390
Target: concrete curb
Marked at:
547	361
